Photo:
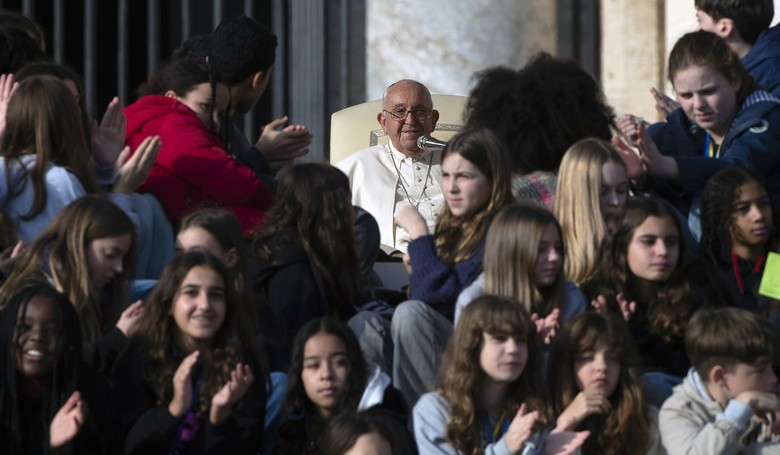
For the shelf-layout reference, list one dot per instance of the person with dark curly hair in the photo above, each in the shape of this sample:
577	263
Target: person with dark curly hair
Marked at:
242	53
737	234
539	112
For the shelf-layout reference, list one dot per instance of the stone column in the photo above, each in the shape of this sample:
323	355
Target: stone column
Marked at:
632	54
441	43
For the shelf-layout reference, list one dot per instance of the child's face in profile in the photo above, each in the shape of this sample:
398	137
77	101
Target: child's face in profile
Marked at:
751	219
37	346
597	371
745	377
325	371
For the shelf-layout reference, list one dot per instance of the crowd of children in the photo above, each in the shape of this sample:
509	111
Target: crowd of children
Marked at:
581	293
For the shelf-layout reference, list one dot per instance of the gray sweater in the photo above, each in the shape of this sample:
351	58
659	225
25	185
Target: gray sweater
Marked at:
430	417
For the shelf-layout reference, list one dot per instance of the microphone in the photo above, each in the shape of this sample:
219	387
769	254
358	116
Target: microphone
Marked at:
429	143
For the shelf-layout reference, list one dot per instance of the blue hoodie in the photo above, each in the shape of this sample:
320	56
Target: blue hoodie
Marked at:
763	60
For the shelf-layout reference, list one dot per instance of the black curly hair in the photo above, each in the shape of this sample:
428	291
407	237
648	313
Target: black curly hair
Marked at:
717	210
241	46
540	110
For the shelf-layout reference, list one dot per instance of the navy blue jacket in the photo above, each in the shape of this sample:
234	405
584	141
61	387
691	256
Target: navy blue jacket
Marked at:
753	141
763	60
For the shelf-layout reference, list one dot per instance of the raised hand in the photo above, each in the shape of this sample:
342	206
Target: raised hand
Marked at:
653	161
9	256
546	328
583	405
409	219
67	423
627	309
133	172
765	406
663	104
600	305
240	380
634	166
7	88
108	137
182	386
129	320
563	440
628	125
280	147
520	429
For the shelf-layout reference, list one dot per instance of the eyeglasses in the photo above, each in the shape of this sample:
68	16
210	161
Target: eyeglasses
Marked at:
400	114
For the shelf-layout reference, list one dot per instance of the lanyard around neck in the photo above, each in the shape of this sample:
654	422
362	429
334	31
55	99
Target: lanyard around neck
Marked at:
711	150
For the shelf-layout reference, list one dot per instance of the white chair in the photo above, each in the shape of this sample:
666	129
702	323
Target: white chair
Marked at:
354	128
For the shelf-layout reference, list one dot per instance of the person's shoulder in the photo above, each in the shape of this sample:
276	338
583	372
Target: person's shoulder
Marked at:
361	156
431	401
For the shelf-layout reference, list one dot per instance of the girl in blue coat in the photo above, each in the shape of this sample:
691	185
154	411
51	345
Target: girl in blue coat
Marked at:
724	119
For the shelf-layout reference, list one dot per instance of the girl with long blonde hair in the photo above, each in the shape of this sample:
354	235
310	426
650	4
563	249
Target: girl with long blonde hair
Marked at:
592	189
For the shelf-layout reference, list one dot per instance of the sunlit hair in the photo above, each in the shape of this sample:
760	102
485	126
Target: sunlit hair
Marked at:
708	50
343	431
718	213
314	210
728	336
628	414
578	205
461	375
458	237
672	302
67	368
61	252
750	17
299	410
511	252
233	343
42	120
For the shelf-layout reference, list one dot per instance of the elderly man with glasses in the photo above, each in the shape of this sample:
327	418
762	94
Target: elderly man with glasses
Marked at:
385	175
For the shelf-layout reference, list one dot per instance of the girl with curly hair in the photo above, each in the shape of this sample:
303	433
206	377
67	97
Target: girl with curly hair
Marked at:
592	189
524	261
87	253
49	401
737	234
193	381
645	277
328	376
594	379
490	399
307	260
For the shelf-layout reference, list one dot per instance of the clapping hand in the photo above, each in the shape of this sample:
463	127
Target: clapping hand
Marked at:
240	380
68	421
108	137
